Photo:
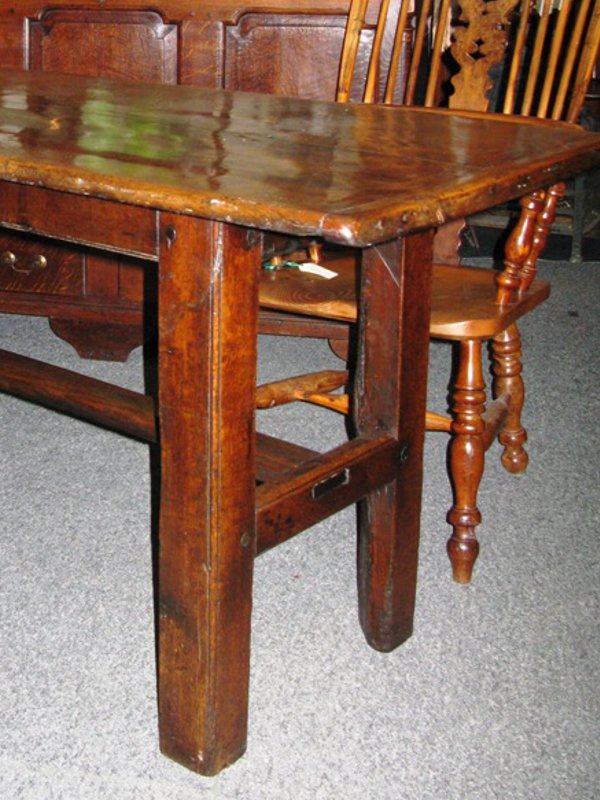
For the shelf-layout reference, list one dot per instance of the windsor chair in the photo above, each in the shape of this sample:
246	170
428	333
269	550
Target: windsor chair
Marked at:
543	56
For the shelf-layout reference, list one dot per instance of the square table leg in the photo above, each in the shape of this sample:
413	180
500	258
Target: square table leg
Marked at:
208	302
390	396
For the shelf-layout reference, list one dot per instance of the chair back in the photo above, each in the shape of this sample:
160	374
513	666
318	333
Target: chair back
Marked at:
407	46
529	57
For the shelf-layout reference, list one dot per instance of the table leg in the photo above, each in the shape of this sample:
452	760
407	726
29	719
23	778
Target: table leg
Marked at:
208	302
390	395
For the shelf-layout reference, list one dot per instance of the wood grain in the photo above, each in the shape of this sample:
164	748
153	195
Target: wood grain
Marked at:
207	158
207	381
389	396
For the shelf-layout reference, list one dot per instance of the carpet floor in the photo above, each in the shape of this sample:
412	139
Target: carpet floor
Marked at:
495	696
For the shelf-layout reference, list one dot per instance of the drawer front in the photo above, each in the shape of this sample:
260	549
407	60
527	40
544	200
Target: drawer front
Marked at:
29	264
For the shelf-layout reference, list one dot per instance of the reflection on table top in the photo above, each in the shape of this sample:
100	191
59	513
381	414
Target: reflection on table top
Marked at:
353	173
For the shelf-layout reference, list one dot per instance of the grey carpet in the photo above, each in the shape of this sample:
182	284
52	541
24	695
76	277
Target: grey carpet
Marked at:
495	695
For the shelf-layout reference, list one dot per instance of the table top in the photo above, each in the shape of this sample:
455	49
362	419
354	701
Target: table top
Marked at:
353	173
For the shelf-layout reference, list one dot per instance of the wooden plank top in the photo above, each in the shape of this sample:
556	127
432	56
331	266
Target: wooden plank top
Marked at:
356	174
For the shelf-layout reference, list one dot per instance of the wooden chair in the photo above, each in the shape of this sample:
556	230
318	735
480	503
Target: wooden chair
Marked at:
543	58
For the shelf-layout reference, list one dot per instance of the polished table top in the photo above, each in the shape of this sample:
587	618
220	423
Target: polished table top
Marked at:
356	174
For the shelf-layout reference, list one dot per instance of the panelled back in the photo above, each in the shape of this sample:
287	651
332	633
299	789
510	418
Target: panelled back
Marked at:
288	54
126	44
285	54
272	46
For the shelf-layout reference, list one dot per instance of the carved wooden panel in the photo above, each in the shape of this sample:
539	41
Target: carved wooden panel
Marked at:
11	47
479	41
201	53
132	45
284	54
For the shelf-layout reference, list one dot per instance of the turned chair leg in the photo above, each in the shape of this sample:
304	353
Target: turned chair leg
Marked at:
507	368
466	459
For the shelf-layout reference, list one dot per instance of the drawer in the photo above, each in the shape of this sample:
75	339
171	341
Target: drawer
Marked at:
32	264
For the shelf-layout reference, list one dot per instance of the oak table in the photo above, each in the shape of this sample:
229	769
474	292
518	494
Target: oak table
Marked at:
186	179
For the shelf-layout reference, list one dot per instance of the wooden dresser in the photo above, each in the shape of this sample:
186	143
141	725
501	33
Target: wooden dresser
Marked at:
277	46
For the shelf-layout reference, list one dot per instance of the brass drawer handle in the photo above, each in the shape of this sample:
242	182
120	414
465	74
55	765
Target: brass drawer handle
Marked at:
9	259
39	262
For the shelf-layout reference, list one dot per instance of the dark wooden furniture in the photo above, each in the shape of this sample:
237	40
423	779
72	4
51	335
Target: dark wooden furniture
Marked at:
578	212
95	301
543	65
222	166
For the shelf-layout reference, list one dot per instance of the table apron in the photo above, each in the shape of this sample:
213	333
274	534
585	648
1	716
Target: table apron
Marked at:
91	221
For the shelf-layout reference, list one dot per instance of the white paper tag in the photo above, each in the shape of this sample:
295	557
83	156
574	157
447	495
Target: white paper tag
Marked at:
317	269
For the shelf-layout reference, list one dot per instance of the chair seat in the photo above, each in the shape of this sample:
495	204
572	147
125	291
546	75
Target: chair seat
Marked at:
464	303
297	292
463	298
